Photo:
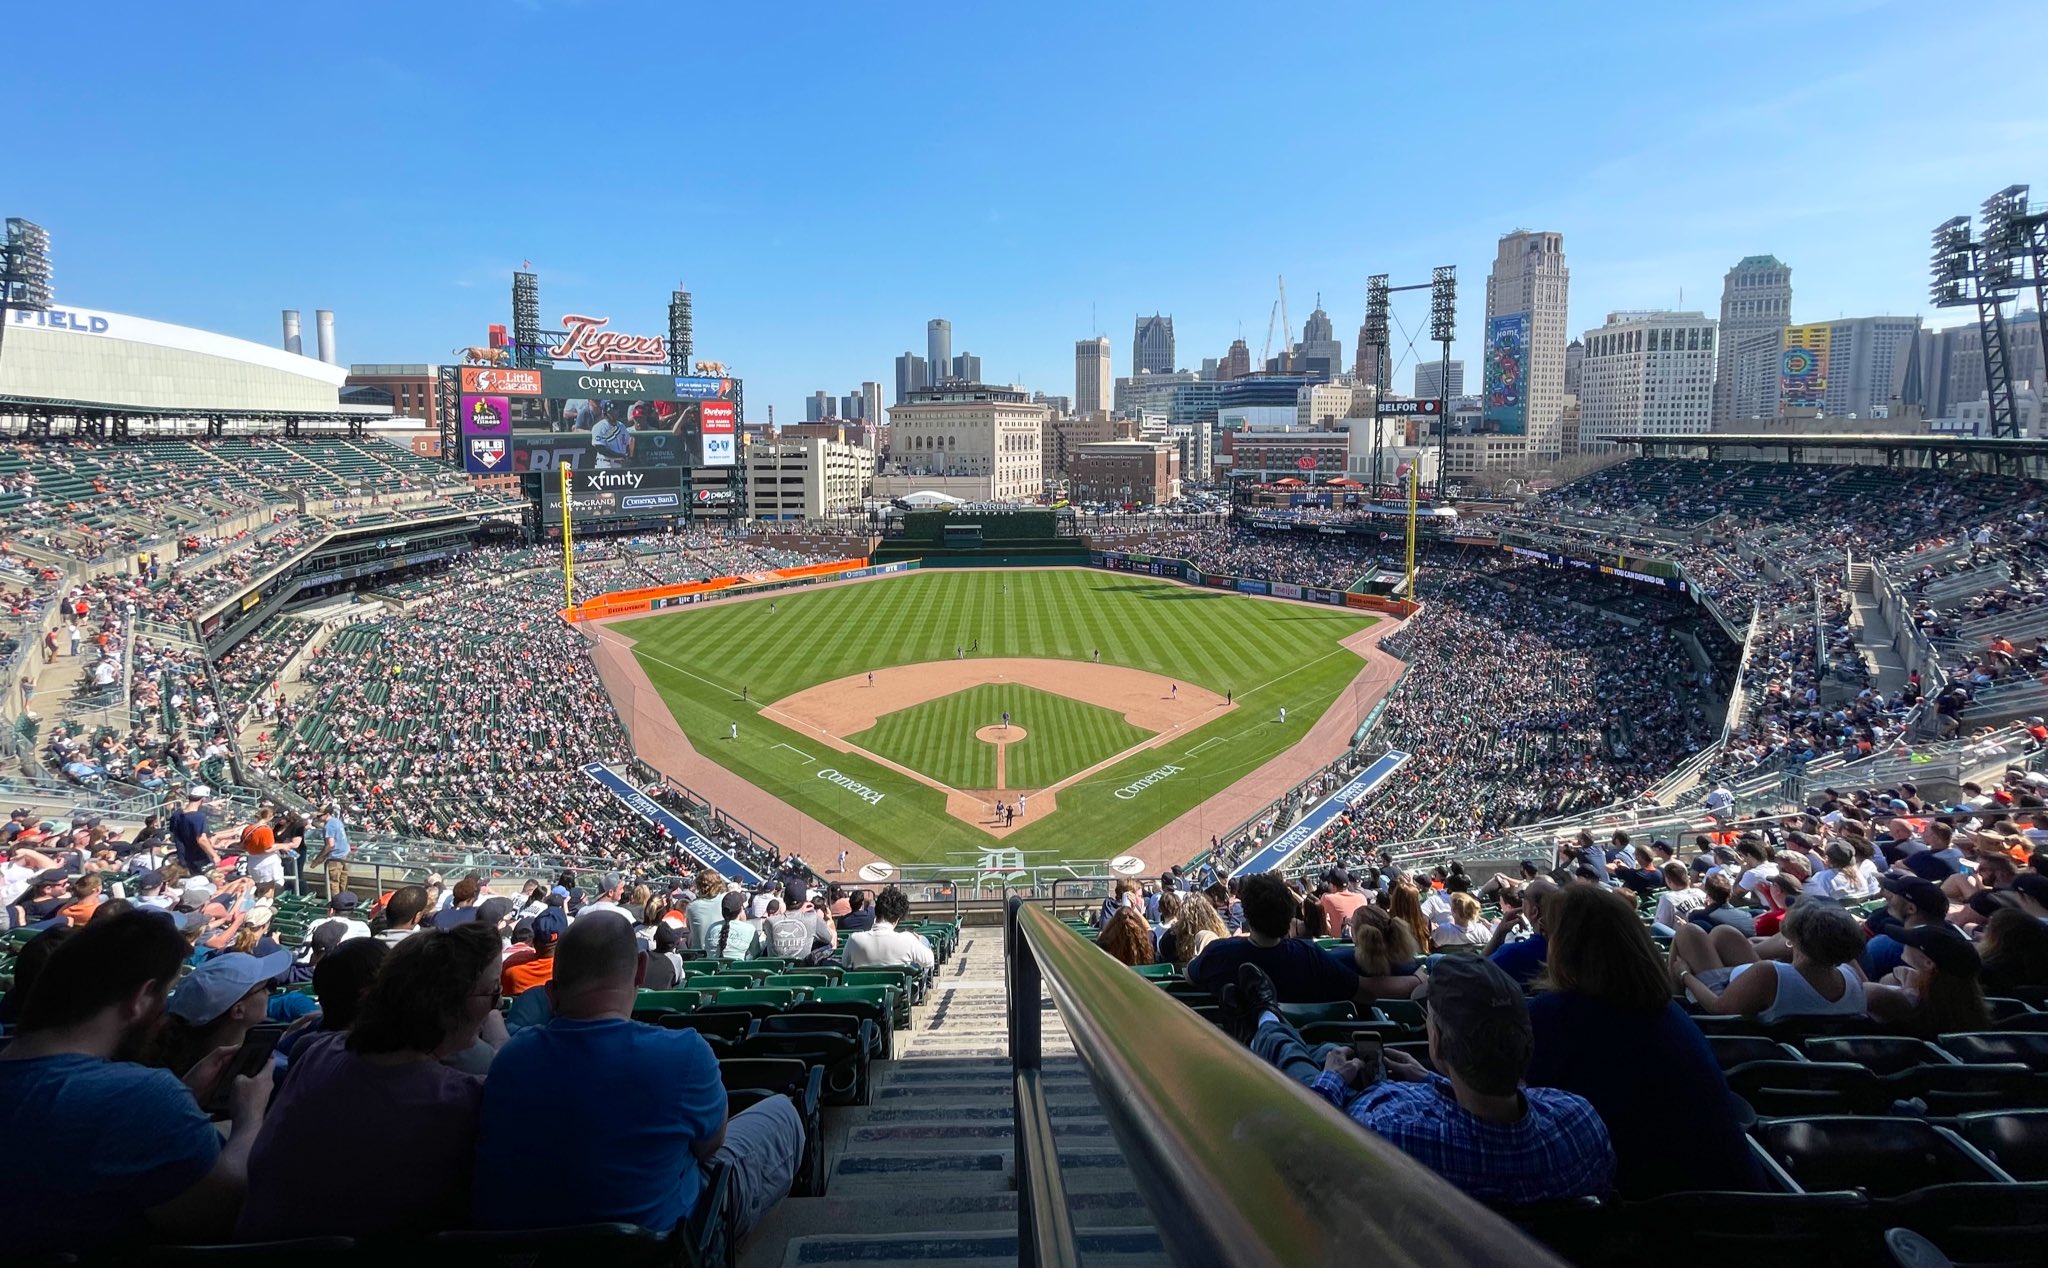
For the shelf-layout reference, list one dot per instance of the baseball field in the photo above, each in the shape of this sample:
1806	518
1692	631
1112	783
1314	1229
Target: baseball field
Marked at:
1094	706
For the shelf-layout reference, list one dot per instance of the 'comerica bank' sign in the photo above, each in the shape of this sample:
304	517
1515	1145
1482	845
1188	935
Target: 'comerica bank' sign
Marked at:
62	319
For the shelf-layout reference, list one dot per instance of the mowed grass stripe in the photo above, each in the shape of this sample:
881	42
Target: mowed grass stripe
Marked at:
1061	736
698	658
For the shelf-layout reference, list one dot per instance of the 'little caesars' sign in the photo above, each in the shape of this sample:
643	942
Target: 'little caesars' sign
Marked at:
1136	786
852	785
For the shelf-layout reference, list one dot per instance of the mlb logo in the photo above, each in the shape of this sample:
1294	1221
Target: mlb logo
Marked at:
487	453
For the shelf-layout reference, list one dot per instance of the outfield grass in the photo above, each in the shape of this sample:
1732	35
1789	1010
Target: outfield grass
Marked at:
1061	735
1270	654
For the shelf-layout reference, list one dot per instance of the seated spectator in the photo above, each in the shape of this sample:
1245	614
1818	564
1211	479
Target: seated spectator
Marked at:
341	977
882	945
1720	910
1194	927
341	909
1389	963
2014	947
428	1004
1124	892
1909	903
461	908
1126	939
734	937
1726	978
1606	1028
1679	900
1937	988
85	899
1462	927
706	909
28	965
1343	898
1404	904
859	915
1523	960
215	1006
519	977
665	966
1301	971
121	1152
634	1160
402	915
1473	1124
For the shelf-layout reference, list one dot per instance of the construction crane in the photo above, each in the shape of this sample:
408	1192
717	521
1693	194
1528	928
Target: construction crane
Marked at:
1286	332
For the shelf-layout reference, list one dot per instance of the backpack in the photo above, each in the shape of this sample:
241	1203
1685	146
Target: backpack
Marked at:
789	938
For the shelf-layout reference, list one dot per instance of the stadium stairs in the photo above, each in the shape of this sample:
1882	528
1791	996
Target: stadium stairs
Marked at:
1874	638
925	1175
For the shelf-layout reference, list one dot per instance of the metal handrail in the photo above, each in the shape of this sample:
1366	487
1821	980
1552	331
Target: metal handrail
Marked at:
1238	1163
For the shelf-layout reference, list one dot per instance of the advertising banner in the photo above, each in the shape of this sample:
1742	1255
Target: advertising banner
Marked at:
1286	590
1251	587
610	385
611	493
486	435
699	388
1803	367
490	380
546	451
1507	374
719	426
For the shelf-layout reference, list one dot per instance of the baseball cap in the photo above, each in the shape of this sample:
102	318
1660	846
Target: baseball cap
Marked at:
213	987
1929	866
1925	895
195	892
492	911
327	935
51	876
548	927
1946	946
345	900
2033	885
198	792
149	880
1478	1009
610	881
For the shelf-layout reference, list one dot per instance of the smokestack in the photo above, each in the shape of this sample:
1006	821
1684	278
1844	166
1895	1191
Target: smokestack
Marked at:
291	331
323	323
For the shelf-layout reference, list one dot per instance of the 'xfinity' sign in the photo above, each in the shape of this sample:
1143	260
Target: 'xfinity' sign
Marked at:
60	319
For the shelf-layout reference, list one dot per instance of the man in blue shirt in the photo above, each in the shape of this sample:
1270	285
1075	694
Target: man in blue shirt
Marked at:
120	1151
633	1159
334	850
1474	1124
191	834
1523	960
1301	971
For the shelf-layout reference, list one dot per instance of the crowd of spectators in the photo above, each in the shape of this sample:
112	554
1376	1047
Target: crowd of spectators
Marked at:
1260	554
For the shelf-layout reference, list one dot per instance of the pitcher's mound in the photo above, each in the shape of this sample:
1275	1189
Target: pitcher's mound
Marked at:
999	734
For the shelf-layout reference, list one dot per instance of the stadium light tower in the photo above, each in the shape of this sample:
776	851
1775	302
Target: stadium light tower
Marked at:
2015	249
24	271
1443	326
1959	278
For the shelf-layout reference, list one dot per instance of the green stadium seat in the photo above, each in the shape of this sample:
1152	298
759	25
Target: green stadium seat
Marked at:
870	1003
719	981
749	1080
759	968
1302	1014
720	1030
834	1042
1156	971
758	1001
670	1001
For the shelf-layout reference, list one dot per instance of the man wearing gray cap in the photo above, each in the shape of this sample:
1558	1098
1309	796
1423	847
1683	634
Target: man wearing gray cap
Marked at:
1473	1124
611	887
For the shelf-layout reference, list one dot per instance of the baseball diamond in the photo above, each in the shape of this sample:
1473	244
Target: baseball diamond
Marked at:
1135	701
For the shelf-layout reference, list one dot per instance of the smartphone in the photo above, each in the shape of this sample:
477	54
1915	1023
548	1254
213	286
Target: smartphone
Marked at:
248	1061
1368	1051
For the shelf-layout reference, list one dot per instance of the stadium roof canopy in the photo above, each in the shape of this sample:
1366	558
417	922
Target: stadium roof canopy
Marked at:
1975	453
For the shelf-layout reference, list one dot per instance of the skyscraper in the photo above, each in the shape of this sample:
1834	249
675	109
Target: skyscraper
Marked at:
1648	374
1366	367
1866	363
910	376
1429	379
871	401
1756	299
1319	350
1152	346
819	405
1237	362
938	350
1574	354
1092	376
1526	296
967	368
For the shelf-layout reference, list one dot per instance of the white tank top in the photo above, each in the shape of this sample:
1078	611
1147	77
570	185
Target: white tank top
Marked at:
1797	998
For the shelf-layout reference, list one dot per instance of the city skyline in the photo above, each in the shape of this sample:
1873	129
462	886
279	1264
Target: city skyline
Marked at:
414	264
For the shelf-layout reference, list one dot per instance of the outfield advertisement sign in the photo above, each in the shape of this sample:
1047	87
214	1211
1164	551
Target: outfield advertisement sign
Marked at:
609	494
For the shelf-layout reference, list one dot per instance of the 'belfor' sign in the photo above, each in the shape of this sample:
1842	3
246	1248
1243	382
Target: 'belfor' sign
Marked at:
585	339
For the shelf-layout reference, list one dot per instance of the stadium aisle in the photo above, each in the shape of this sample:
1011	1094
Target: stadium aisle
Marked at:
924	1175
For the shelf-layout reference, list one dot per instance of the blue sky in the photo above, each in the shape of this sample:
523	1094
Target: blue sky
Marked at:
826	177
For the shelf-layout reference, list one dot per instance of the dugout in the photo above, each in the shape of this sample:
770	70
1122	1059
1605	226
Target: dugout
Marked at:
963	538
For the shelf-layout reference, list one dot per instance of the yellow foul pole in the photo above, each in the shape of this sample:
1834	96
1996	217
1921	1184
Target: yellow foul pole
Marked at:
1413	468
568	551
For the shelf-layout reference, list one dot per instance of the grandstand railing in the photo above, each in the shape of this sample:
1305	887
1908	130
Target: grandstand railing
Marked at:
1238	1163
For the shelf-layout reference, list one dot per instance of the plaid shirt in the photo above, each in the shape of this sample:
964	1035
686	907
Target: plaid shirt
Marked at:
1558	1150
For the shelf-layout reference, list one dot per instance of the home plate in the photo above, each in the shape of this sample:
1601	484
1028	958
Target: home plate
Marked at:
876	871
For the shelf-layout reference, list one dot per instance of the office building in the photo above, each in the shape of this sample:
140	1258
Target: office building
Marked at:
1321	405
1093	376
1526	297
1648	374
1057	406
1126	473
871	401
806	478
1152	345
414	388
1209	367
1756	299
1368	367
910	376
1429	380
1753	387
1319	352
1866	363
819	406
975	436
967	368
938	350
1574	353
1237	362
1131	391
1952	362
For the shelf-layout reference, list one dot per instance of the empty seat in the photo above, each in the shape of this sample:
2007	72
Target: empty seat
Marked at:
1735	1050
1753	1230
2016	1140
1995	1046
1804	1087
1881	1054
749	1080
1975	1223
1302	1014
728	1028
1885	1157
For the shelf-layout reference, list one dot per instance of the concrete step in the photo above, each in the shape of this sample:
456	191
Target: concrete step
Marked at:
1105	1246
